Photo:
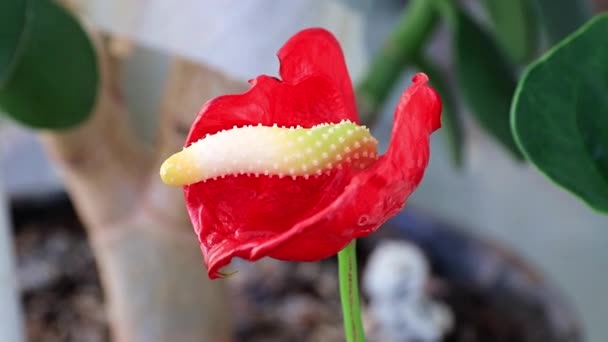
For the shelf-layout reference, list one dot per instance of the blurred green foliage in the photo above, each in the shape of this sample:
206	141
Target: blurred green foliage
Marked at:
489	51
402	49
399	50
486	78
451	122
515	25
48	67
561	17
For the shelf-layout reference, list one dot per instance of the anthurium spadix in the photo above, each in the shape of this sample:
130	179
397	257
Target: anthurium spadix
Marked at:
277	151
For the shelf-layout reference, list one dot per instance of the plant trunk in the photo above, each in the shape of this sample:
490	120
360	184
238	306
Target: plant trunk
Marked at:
152	269
156	283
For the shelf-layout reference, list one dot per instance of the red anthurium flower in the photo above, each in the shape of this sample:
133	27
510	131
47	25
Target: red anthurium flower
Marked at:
306	218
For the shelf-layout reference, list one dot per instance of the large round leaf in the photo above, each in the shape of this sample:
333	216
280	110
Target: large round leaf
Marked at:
12	28
52	78
560	113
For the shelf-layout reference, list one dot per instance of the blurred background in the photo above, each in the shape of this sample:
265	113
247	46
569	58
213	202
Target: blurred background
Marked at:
474	181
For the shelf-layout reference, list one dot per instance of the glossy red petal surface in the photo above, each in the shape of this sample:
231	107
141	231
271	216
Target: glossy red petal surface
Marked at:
351	204
316	51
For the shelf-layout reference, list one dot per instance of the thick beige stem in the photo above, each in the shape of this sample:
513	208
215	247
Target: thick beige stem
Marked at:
151	266
188	87
158	285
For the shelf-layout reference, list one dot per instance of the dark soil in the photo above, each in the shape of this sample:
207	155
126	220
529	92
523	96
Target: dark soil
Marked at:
60	289
272	301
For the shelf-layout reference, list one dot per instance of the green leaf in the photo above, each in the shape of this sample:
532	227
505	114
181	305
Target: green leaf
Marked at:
450	119
515	27
560	113
54	78
561	17
485	78
12	27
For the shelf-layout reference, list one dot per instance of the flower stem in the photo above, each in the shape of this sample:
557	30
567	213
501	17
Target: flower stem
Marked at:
405	43
349	294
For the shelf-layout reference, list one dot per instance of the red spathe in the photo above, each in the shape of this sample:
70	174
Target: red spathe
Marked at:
306	219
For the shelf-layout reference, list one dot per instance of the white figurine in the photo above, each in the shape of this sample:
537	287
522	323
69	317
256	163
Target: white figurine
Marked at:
395	279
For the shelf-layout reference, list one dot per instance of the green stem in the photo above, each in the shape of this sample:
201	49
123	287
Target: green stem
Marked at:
448	11
405	42
349	294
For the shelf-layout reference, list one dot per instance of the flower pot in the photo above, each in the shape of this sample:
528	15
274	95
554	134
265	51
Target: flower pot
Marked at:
494	295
